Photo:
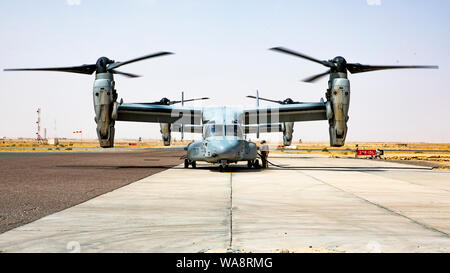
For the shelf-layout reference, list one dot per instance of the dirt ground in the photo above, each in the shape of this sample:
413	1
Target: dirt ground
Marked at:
34	185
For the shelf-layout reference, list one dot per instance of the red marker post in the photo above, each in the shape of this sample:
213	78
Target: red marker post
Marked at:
81	134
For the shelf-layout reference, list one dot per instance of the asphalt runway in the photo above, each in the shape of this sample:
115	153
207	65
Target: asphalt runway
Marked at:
309	204
34	185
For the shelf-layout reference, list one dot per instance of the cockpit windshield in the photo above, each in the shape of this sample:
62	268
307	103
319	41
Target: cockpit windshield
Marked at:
211	130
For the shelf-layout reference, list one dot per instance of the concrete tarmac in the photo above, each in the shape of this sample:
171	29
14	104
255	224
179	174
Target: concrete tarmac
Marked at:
309	204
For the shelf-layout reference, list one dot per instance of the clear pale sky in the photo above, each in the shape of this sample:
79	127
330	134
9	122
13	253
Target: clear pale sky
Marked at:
221	52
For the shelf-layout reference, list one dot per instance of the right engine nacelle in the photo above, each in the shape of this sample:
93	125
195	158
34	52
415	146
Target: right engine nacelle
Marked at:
288	130
337	110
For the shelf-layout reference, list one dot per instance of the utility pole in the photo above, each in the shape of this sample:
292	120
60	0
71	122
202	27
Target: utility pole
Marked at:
38	122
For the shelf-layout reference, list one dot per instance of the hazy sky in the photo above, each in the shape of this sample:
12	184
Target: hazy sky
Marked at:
221	52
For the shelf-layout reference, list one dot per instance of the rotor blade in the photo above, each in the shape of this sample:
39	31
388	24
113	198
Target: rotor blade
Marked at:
129	75
360	68
275	101
297	54
119	64
316	77
152	103
83	69
179	101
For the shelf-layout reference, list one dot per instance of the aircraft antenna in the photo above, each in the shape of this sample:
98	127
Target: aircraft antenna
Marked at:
257	106
182	125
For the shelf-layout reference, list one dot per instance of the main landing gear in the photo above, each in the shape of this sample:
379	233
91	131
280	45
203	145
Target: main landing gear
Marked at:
188	162
253	163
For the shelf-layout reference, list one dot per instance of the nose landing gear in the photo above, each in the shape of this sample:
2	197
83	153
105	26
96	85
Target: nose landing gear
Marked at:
223	165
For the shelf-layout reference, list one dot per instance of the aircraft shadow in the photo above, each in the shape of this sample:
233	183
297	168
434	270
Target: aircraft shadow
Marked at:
230	169
244	169
115	167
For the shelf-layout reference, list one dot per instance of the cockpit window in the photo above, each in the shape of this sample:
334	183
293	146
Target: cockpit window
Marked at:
233	130
222	130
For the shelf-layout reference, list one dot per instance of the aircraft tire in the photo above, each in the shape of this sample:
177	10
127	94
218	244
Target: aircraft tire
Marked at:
186	164
256	164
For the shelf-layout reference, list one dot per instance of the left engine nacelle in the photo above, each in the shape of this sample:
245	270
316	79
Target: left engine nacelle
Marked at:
166	133
104	97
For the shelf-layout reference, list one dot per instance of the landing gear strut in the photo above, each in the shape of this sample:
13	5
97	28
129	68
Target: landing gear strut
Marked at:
223	165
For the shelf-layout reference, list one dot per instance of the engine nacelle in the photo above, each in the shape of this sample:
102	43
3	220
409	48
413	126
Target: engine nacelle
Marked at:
104	97
337	110
166	133
288	130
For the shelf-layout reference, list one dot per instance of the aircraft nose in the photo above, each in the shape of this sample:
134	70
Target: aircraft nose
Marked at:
224	149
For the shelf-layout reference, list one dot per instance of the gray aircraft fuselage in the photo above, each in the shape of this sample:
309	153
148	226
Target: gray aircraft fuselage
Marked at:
222	143
222	138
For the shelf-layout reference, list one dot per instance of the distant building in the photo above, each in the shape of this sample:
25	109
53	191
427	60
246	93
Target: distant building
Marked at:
53	141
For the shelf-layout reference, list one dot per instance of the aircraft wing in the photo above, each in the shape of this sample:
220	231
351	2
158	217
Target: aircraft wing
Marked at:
188	128
264	128
285	113
144	112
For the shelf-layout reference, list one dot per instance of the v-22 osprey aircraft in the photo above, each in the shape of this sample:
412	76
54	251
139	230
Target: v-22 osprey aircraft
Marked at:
222	128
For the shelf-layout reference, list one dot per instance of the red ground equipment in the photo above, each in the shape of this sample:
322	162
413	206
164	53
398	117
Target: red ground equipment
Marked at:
366	152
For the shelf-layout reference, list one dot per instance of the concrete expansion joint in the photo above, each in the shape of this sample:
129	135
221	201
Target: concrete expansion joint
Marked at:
393	212
230	246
